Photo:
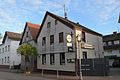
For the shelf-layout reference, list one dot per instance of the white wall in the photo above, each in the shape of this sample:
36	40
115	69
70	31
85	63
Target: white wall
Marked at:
14	58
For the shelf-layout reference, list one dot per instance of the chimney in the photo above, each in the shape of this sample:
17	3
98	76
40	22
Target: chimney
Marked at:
115	33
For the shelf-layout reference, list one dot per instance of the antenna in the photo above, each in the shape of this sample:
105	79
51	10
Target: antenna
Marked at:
65	13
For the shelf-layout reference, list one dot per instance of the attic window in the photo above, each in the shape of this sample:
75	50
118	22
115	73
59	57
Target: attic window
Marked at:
26	34
56	22
48	24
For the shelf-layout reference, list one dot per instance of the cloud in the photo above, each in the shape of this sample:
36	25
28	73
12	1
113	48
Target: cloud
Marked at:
101	10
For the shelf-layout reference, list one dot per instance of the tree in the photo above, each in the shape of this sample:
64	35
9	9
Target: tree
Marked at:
27	51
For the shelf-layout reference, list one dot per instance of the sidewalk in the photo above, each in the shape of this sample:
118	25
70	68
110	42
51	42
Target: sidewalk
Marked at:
63	77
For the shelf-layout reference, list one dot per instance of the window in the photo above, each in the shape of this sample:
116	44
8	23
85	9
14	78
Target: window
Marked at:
26	34
43	41
84	55
8	47
8	59
56	22
48	24
61	37
62	58
110	43
83	36
43	59
52	58
116	42
51	39
5	48
104	43
0	51
5	59
2	60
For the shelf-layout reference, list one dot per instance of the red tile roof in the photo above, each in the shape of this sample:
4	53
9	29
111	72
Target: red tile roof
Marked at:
34	28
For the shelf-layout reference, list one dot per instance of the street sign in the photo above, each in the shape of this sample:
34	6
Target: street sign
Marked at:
87	46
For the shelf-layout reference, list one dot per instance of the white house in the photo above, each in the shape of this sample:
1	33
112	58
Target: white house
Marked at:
8	54
53	50
29	36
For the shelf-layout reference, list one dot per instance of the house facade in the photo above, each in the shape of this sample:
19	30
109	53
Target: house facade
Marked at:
112	46
29	37
8	50
59	54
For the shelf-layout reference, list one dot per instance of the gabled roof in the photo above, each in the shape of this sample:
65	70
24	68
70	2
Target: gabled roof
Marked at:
68	23
12	35
34	28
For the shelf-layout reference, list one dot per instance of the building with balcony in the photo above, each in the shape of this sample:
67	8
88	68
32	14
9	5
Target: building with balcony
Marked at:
111	44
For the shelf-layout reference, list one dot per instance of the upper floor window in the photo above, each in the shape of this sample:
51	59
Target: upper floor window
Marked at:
5	48
8	59
56	22
8	47
110	43
43	59
5	59
26	34
48	24
104	44
52	58
62	58
43	41
116	42
61	37
51	39
83	37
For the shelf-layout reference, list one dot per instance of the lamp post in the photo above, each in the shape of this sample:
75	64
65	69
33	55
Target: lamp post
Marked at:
69	44
79	52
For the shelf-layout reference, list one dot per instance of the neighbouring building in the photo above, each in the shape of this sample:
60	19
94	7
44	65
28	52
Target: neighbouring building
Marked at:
111	44
29	37
58	54
8	50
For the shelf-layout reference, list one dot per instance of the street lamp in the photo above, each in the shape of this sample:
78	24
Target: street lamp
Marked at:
79	52
69	44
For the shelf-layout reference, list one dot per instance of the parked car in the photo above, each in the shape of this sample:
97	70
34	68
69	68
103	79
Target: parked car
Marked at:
116	63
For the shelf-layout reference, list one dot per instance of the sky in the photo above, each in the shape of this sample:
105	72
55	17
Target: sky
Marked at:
98	15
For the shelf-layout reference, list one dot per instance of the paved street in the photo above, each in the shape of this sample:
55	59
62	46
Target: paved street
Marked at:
18	76
13	75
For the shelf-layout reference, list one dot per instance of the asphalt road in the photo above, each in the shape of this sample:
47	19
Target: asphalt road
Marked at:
7	75
16	76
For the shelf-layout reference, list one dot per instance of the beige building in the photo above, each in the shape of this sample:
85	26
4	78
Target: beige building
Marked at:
53	50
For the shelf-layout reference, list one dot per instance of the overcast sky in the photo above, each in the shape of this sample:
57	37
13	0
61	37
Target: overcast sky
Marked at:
98	15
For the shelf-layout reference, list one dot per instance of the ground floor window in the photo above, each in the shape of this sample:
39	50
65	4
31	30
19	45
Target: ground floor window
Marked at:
43	59
52	58
84	55
62	58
